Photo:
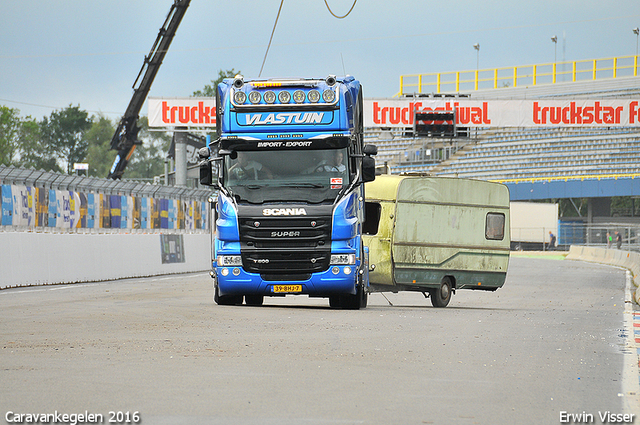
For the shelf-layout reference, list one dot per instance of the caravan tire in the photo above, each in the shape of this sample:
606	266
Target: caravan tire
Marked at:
441	296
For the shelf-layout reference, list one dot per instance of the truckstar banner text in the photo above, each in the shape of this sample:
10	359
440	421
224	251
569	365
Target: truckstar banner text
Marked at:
389	113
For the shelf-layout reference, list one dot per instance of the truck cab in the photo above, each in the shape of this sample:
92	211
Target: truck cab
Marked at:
291	168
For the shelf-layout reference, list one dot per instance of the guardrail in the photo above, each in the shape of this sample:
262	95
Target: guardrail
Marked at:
46	201
525	75
613	257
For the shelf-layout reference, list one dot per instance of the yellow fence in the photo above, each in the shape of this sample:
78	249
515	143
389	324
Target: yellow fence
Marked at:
518	76
567	178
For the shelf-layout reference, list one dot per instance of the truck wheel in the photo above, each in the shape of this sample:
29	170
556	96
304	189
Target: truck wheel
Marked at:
362	295
254	300
334	301
441	296
354	302
226	299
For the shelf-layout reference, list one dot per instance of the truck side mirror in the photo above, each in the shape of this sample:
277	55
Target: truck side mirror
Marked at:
368	169
206	175
204	153
370	150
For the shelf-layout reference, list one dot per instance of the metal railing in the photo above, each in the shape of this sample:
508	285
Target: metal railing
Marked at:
525	75
47	201
598	235
577	233
567	178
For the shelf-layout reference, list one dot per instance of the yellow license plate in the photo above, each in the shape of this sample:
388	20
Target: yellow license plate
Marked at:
287	288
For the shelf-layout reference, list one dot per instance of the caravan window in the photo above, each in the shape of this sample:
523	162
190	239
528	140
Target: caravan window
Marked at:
494	228
371	218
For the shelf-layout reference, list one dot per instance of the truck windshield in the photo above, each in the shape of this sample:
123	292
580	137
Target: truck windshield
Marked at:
294	175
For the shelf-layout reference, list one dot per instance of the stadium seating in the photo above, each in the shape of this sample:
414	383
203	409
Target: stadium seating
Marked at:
516	153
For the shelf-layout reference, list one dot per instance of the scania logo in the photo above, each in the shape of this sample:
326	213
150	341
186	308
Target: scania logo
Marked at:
285	234
283	211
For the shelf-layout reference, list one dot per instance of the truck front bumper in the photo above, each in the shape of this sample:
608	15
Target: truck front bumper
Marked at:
336	280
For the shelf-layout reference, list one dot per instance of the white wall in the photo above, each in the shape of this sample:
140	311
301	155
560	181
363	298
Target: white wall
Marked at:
47	258
614	257
532	221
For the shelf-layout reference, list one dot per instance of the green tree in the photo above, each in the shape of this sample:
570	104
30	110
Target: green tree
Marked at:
572	207
32	152
210	89
10	124
64	132
99	156
148	159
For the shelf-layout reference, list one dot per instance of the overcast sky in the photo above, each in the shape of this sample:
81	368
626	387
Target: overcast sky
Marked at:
54	53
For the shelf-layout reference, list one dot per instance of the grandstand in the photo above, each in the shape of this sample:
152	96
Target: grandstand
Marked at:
551	152
512	153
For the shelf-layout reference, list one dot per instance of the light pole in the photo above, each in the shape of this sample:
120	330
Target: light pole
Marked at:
477	47
554	39
636	31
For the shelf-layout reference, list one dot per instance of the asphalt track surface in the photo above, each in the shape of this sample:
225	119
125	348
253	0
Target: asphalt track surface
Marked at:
552	340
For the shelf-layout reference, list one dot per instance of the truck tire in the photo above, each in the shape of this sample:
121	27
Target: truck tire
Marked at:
254	300
354	302
334	301
441	296
226	299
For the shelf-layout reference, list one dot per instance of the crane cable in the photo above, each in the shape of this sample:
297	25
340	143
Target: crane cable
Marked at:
271	38
343	16
276	23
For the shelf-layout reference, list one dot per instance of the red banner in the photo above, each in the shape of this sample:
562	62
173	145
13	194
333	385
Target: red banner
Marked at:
389	113
182	112
394	113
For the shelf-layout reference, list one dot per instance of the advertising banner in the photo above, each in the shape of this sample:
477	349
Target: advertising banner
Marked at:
182	111
172	248
26	206
23	211
144	213
399	113
42	206
93	211
7	205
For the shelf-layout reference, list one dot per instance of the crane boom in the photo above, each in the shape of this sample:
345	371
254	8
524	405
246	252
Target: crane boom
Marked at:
125	138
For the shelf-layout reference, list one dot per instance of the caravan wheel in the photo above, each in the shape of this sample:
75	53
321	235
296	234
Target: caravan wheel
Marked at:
441	296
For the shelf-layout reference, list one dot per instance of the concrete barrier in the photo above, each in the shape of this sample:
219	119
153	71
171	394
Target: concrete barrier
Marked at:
614	257
28	258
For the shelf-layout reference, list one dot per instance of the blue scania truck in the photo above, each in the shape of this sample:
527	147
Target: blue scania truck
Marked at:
289	165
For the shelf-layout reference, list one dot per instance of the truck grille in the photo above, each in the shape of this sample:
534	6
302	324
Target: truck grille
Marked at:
285	245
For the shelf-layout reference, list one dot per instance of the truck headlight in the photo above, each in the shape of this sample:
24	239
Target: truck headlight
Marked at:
229	260
254	97
284	97
343	259
269	97
328	96
239	97
298	96
313	96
